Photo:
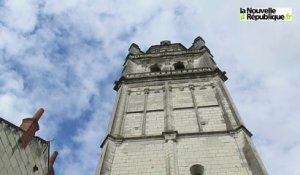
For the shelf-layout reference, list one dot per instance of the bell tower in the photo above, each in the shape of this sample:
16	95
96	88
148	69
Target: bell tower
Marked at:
173	115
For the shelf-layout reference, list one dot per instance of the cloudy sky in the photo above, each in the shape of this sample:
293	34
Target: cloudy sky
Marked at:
65	55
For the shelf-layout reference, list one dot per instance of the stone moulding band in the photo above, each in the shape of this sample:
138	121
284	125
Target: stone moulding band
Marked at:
178	135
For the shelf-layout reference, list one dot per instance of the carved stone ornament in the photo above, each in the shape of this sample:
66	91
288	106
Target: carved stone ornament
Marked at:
171	135
198	43
134	49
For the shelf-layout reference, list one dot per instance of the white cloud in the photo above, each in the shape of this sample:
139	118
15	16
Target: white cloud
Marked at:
19	15
11	43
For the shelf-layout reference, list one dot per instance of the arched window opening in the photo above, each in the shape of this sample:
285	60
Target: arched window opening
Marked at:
179	66
155	68
197	169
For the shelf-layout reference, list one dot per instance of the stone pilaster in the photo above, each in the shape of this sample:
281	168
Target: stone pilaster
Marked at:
146	93
199	119
120	112
127	93
229	101
224	112
169	120
170	153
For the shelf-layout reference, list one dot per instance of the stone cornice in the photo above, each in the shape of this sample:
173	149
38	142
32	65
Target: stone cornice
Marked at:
170	75
159	55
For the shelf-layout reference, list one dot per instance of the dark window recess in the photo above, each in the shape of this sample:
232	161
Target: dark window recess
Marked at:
178	66
35	168
155	68
197	169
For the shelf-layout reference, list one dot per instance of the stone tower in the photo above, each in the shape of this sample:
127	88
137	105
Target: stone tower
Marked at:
174	116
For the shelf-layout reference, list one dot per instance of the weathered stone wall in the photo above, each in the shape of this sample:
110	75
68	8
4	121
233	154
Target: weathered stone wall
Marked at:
188	107
15	160
212	119
181	97
219	154
184	118
139	157
250	155
136	102
205	96
133	125
154	123
150	108
155	100
107	158
223	153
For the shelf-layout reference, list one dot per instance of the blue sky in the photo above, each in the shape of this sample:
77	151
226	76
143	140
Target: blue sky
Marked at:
65	55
